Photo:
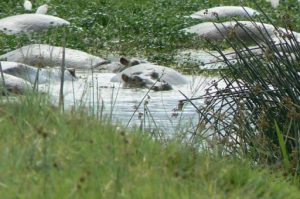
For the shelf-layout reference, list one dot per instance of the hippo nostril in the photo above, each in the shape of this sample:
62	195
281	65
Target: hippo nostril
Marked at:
162	87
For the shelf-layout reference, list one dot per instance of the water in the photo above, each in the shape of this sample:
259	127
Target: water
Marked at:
127	106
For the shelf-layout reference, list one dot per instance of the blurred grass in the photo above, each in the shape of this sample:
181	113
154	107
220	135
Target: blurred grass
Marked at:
45	154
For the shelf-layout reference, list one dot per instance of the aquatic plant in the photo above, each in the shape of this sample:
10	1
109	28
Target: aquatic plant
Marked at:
260	90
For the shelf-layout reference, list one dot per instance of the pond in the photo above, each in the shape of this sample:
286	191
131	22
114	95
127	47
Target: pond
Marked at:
127	107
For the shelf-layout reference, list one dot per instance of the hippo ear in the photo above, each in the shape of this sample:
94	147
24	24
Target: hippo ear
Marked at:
124	61
72	71
125	78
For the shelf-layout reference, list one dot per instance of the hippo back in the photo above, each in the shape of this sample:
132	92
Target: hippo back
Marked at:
46	55
224	11
32	74
244	30
168	75
15	84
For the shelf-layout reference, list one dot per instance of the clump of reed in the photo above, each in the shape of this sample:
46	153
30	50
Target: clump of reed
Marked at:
257	110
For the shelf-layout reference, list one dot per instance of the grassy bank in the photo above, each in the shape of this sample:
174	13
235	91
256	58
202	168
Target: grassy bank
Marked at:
45	154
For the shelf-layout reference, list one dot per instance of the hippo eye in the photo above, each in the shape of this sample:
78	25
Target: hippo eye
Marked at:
137	79
163	87
135	62
137	73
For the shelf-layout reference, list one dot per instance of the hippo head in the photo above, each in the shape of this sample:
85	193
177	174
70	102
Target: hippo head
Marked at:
150	80
127	63
122	64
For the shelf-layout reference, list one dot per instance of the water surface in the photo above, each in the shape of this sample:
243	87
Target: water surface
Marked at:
127	106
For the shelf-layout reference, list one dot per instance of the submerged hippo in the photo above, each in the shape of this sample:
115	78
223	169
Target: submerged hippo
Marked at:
243	30
147	75
224	11
46	55
117	64
14	84
32	74
213	59
26	23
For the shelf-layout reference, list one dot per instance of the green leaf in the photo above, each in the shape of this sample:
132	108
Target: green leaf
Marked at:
286	161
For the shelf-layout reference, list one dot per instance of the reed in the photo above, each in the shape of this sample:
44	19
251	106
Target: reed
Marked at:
63	67
259	88
4	90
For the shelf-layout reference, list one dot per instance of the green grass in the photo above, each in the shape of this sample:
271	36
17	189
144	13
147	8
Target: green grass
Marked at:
45	154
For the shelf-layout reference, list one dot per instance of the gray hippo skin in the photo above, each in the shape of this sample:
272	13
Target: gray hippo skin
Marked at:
45	55
14	84
241	29
33	75
224	11
118	66
27	23
151	76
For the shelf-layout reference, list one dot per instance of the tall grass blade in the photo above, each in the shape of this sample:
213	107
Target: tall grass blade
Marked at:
61	91
3	82
286	161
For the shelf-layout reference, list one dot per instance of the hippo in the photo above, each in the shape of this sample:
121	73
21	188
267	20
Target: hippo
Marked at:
148	75
14	84
224	11
27	23
211	60
33	75
45	55
243	30
216	60
122	64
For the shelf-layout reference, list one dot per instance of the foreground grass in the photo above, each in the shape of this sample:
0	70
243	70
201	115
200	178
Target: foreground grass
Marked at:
45	154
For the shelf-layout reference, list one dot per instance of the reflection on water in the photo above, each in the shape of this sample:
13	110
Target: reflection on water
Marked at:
128	107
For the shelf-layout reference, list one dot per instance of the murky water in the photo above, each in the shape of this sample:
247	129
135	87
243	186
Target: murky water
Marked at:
128	107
